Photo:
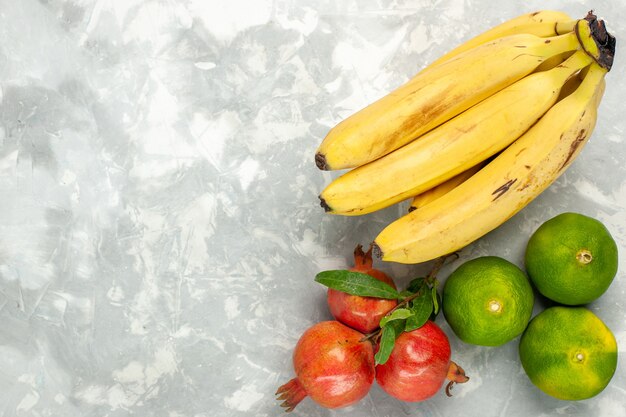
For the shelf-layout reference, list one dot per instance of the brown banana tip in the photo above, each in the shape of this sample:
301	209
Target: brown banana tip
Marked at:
603	39
412	208
325	206
320	161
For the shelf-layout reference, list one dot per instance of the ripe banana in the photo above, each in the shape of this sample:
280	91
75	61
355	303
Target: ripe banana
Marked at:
434	193
543	23
503	187
455	146
434	96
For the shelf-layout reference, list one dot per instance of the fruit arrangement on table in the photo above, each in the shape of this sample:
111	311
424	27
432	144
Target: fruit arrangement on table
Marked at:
470	141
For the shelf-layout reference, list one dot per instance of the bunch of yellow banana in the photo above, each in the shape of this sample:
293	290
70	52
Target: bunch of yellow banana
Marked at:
473	137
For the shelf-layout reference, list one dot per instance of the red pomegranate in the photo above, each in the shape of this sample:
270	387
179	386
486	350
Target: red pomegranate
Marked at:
333	366
419	364
361	313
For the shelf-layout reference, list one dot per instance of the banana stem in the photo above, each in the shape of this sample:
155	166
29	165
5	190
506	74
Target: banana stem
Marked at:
596	40
559	44
563	27
578	60
591	81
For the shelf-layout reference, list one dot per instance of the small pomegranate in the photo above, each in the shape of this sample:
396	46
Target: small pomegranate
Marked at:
361	313
418	365
333	366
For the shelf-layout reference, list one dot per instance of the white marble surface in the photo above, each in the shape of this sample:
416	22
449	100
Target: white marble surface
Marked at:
159	222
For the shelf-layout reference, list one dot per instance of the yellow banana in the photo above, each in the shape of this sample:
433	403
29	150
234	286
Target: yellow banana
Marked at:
451	148
503	187
434	193
543	23
432	97
435	96
440	190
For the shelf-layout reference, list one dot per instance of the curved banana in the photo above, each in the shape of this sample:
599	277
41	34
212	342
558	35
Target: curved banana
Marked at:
435	96
503	187
542	23
434	193
451	148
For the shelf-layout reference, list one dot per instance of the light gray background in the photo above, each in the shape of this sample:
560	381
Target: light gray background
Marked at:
159	221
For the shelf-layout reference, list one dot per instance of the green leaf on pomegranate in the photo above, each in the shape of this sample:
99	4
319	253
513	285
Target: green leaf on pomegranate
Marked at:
399	314
421	307
357	283
389	334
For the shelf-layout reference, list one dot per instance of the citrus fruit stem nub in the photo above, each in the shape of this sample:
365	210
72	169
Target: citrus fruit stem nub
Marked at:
494	306
580	357
584	256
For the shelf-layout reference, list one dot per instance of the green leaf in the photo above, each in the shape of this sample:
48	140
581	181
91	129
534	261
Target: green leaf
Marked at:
405	293
357	283
436	306
421	307
416	285
388	337
435	298
399	314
